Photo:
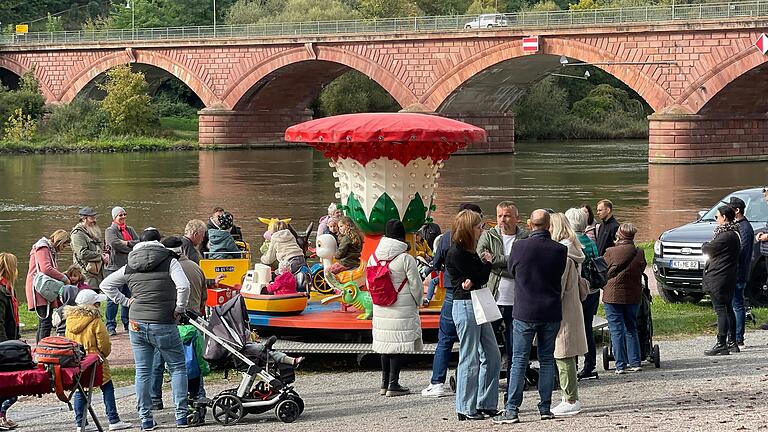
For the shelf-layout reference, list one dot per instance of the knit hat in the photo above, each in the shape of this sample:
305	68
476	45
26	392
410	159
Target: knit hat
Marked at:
469	206
116	211
395	230
226	221
172	243
89	297
150	234
623	235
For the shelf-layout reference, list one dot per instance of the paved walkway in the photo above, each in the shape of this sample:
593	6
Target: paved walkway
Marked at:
690	392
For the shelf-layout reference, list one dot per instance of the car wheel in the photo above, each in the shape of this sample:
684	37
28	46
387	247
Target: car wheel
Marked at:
694	297
671	296
757	291
489	26
467	26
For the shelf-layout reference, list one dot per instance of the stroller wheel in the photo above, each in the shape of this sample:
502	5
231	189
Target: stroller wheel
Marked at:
299	401
227	410
656	356
606	358
452	382
287	411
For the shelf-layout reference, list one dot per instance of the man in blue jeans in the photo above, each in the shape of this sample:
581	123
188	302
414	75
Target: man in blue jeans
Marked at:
160	292
446	335
747	236
537	264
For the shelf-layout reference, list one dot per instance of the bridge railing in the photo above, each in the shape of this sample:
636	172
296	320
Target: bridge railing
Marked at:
519	20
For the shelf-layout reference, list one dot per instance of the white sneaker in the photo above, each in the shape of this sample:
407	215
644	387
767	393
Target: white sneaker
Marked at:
635	369
620	372
433	391
120	426
567	409
88	428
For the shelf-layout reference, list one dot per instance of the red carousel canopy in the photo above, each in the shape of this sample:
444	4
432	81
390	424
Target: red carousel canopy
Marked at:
398	136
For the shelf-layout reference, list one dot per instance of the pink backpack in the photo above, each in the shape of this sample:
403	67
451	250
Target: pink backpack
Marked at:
379	281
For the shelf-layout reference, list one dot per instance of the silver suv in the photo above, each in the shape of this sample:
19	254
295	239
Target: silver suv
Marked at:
487	21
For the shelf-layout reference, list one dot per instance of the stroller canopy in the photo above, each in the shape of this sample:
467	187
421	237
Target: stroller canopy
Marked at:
230	323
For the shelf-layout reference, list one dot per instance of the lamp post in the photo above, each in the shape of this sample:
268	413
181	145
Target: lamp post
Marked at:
214	18
131	4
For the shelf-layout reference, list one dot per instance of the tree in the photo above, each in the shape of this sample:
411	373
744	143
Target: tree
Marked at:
166	13
444	7
482	6
127	102
584	5
354	92
253	11
388	8
271	11
542	112
545	6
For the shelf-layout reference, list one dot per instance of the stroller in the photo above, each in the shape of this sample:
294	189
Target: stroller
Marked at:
648	351
265	384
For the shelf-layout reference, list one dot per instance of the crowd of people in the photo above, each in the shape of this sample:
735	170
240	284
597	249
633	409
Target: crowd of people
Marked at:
537	273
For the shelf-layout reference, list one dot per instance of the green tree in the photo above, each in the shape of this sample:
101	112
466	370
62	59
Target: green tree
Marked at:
584	5
545	6
604	101
270	11
27	98
388	8
542	112
20	126
53	23
166	13
253	11
444	7
482	6
354	92
127	102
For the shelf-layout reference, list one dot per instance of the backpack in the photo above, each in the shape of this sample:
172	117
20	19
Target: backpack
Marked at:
15	355
595	271
379	281
59	351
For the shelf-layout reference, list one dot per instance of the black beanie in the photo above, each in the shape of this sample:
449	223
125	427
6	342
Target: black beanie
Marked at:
172	242
469	206
395	230
150	234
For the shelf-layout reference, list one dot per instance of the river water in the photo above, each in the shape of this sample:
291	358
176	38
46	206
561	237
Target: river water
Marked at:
41	193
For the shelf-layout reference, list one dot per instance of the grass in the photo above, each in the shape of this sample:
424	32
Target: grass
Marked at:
180	127
647	247
683	320
103	145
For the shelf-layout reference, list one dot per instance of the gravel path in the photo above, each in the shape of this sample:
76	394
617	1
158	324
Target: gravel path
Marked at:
690	392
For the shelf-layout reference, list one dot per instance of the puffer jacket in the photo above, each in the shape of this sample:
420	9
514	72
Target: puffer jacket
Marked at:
397	327
84	326
626	265
282	247
571	338
221	244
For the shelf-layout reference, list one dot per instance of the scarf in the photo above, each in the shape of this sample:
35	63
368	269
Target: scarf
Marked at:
14	303
730	226
124	231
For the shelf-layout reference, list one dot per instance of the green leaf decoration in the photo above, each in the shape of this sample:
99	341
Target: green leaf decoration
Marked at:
415	214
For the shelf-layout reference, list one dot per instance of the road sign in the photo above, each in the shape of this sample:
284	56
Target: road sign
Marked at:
762	43
531	44
22	28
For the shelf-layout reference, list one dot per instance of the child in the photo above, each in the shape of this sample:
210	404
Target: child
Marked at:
9	321
221	244
257	345
421	247
350	246
197	367
333	213
67	297
333	228
84	325
284	249
284	283
76	277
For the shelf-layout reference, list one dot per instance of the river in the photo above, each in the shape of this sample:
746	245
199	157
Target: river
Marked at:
41	193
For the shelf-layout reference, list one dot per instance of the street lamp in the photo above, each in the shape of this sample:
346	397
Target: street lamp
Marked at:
131	4
214	18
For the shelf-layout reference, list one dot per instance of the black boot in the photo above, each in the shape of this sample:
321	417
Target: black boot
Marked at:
732	345
720	348
396	389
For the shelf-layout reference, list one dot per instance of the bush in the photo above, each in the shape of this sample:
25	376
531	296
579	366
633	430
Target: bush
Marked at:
166	106
81	119
354	92
27	98
20	126
127	102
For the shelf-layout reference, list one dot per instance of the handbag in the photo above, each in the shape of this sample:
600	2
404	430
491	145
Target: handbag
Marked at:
45	285
484	306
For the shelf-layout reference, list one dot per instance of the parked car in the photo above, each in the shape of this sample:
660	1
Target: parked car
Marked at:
678	263
487	21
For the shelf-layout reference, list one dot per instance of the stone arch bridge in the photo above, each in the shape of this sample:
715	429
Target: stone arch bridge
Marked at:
706	81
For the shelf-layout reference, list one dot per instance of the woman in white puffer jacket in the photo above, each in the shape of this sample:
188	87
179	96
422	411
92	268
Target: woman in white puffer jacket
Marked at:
397	328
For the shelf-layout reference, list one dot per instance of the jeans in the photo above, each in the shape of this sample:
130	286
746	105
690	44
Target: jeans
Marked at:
726	320
589	306
477	377
432	285
522	340
158	370
110	406
112	311
164	338
45	325
622	321
739	310
446	337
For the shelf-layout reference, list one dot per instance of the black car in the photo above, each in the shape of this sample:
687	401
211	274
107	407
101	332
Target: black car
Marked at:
678	263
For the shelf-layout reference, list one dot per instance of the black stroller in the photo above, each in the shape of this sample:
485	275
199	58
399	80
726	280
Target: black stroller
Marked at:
265	384
648	351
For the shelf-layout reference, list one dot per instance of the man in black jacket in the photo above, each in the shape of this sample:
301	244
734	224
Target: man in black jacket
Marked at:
537	264
747	236
606	232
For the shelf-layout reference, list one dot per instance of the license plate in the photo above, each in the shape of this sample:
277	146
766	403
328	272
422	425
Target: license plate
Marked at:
684	265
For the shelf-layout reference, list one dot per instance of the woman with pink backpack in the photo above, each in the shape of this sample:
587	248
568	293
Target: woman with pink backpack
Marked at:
396	324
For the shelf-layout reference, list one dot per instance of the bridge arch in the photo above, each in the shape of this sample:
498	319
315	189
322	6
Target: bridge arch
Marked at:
19	69
737	85
83	78
236	94
632	76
